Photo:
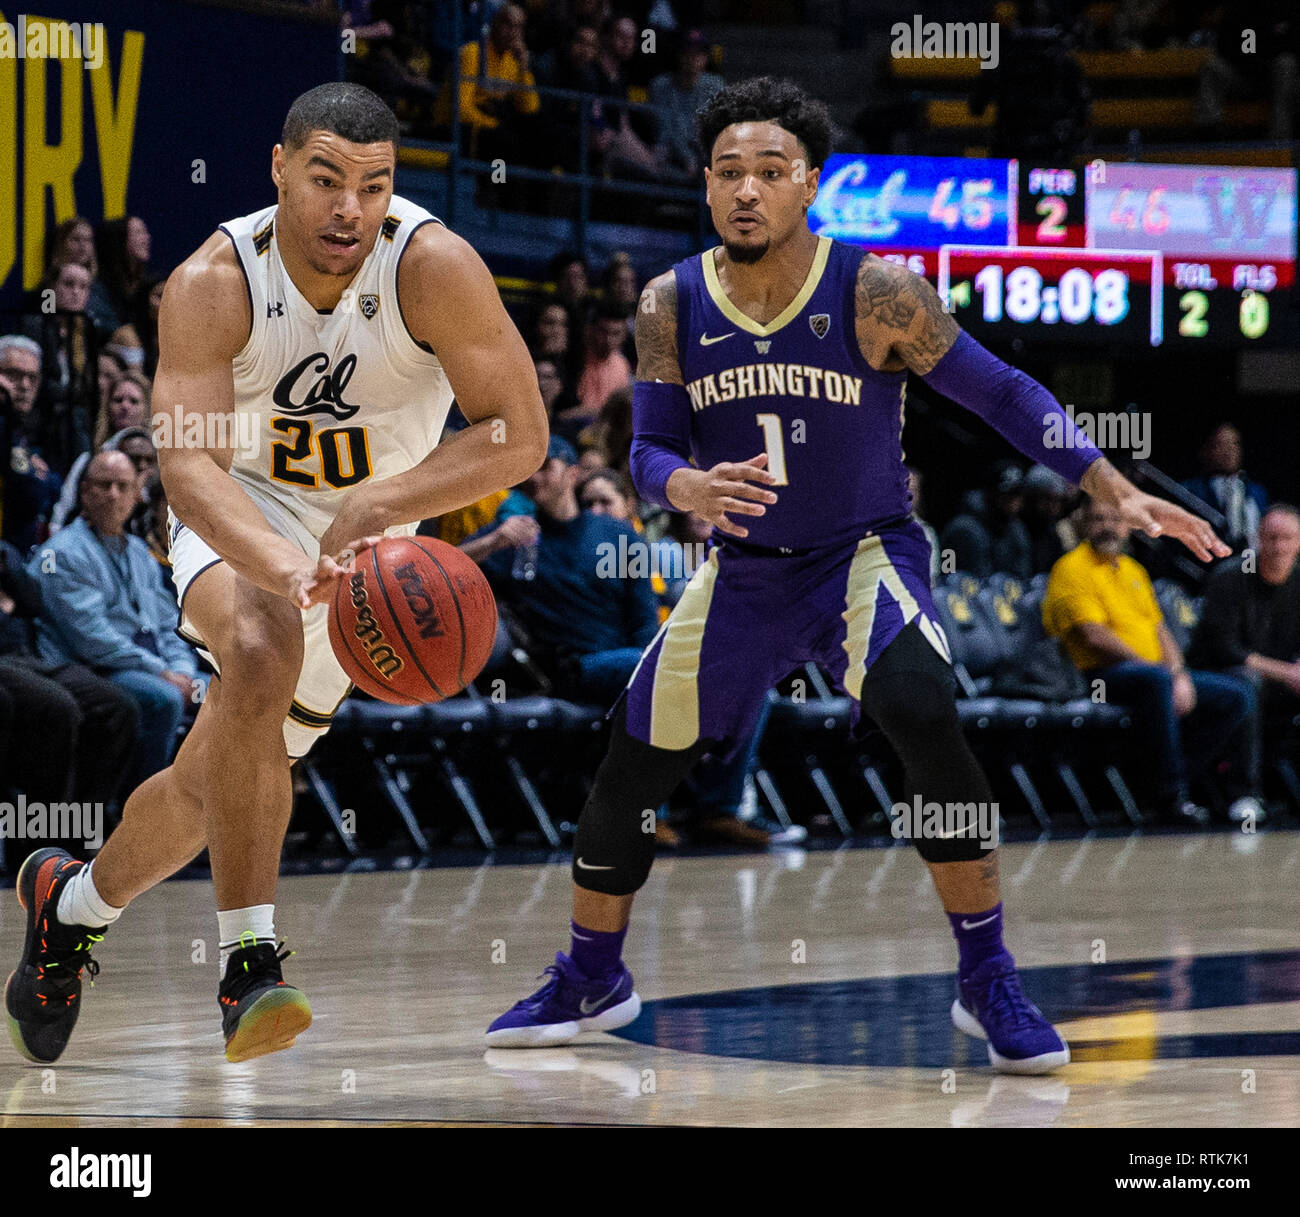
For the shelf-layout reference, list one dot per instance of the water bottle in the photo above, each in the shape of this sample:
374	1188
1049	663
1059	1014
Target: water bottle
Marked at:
525	564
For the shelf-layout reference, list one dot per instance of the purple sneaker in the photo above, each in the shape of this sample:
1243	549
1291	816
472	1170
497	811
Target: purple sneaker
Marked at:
992	1006
568	1004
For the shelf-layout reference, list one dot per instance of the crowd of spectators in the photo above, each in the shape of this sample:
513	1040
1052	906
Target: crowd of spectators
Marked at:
94	682
642	70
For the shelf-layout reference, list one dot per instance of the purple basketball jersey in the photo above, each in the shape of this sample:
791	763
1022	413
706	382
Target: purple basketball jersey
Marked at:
799	389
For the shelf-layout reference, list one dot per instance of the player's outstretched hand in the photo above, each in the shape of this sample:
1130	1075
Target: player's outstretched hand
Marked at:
1161	518
317	586
712	493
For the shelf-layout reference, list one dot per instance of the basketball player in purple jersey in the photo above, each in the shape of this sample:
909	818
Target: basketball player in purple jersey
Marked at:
798	347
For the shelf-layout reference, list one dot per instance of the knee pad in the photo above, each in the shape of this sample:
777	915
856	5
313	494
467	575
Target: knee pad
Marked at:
614	847
954	849
615	844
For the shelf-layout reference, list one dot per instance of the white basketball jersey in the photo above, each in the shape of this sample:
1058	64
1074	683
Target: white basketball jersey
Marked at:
333	399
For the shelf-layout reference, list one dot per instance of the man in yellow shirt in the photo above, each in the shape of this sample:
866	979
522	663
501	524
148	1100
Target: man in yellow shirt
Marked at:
1101	604
495	116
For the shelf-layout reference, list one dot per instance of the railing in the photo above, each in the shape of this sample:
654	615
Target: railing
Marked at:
461	166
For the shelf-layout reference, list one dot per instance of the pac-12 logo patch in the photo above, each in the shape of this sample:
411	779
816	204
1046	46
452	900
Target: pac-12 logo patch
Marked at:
370	306
820	324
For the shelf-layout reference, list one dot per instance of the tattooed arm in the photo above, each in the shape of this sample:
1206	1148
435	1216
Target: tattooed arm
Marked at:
901	323
900	320
656	331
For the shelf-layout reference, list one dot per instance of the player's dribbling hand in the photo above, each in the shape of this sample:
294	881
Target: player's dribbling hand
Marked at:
1161	518
712	493
316	585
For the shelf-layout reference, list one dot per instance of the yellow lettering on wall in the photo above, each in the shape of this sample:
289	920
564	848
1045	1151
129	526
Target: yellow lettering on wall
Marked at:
8	164
48	164
115	127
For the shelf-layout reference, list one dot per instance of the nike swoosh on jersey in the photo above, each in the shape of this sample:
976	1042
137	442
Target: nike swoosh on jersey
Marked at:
706	341
587	866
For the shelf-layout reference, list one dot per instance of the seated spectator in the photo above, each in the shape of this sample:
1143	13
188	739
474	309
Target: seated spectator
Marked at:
144	320
556	395
621	283
677	97
588	630
1101	603
604	369
74	241
624	152
1250	624
989	535
110	372
1050	536
572	279
606	492
29	488
69	366
621	287
104	605
552	338
1223	485
572	67
495	116
123	248
137	443
128	405
610	436
71	733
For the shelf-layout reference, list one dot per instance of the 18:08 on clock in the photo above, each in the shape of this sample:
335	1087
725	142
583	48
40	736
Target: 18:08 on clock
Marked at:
1112	294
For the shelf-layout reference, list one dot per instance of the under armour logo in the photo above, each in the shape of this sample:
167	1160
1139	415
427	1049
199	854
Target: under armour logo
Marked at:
275	310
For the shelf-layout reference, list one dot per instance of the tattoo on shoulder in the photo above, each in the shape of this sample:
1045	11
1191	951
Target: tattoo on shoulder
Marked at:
900	317
656	332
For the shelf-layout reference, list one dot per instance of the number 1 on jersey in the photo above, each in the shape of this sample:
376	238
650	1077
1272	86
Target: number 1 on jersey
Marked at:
774	442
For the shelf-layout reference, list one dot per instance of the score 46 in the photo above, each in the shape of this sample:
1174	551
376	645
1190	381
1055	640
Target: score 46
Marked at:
1154	217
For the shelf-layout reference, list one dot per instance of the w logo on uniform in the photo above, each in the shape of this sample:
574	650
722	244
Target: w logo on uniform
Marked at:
820	324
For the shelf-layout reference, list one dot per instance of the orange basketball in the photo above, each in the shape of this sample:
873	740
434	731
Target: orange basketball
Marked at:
414	622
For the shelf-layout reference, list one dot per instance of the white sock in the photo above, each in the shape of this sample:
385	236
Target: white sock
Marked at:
81	904
234	924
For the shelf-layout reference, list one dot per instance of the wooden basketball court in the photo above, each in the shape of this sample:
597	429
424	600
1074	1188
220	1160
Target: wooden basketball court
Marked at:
792	988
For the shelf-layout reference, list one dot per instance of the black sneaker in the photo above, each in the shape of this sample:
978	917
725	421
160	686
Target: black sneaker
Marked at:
260	1011
43	994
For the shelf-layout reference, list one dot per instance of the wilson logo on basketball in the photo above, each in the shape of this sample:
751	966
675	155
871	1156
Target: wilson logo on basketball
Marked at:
419	601
384	659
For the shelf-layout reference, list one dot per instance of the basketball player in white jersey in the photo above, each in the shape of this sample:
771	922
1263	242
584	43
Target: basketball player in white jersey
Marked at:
332	330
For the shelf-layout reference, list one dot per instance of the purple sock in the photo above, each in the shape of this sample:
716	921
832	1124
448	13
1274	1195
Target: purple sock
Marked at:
594	952
979	937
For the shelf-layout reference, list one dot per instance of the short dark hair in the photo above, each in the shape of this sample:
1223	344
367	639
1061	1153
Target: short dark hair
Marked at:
348	110
763	99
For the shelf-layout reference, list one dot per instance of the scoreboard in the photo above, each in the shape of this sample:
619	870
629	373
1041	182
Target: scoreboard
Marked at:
1127	255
